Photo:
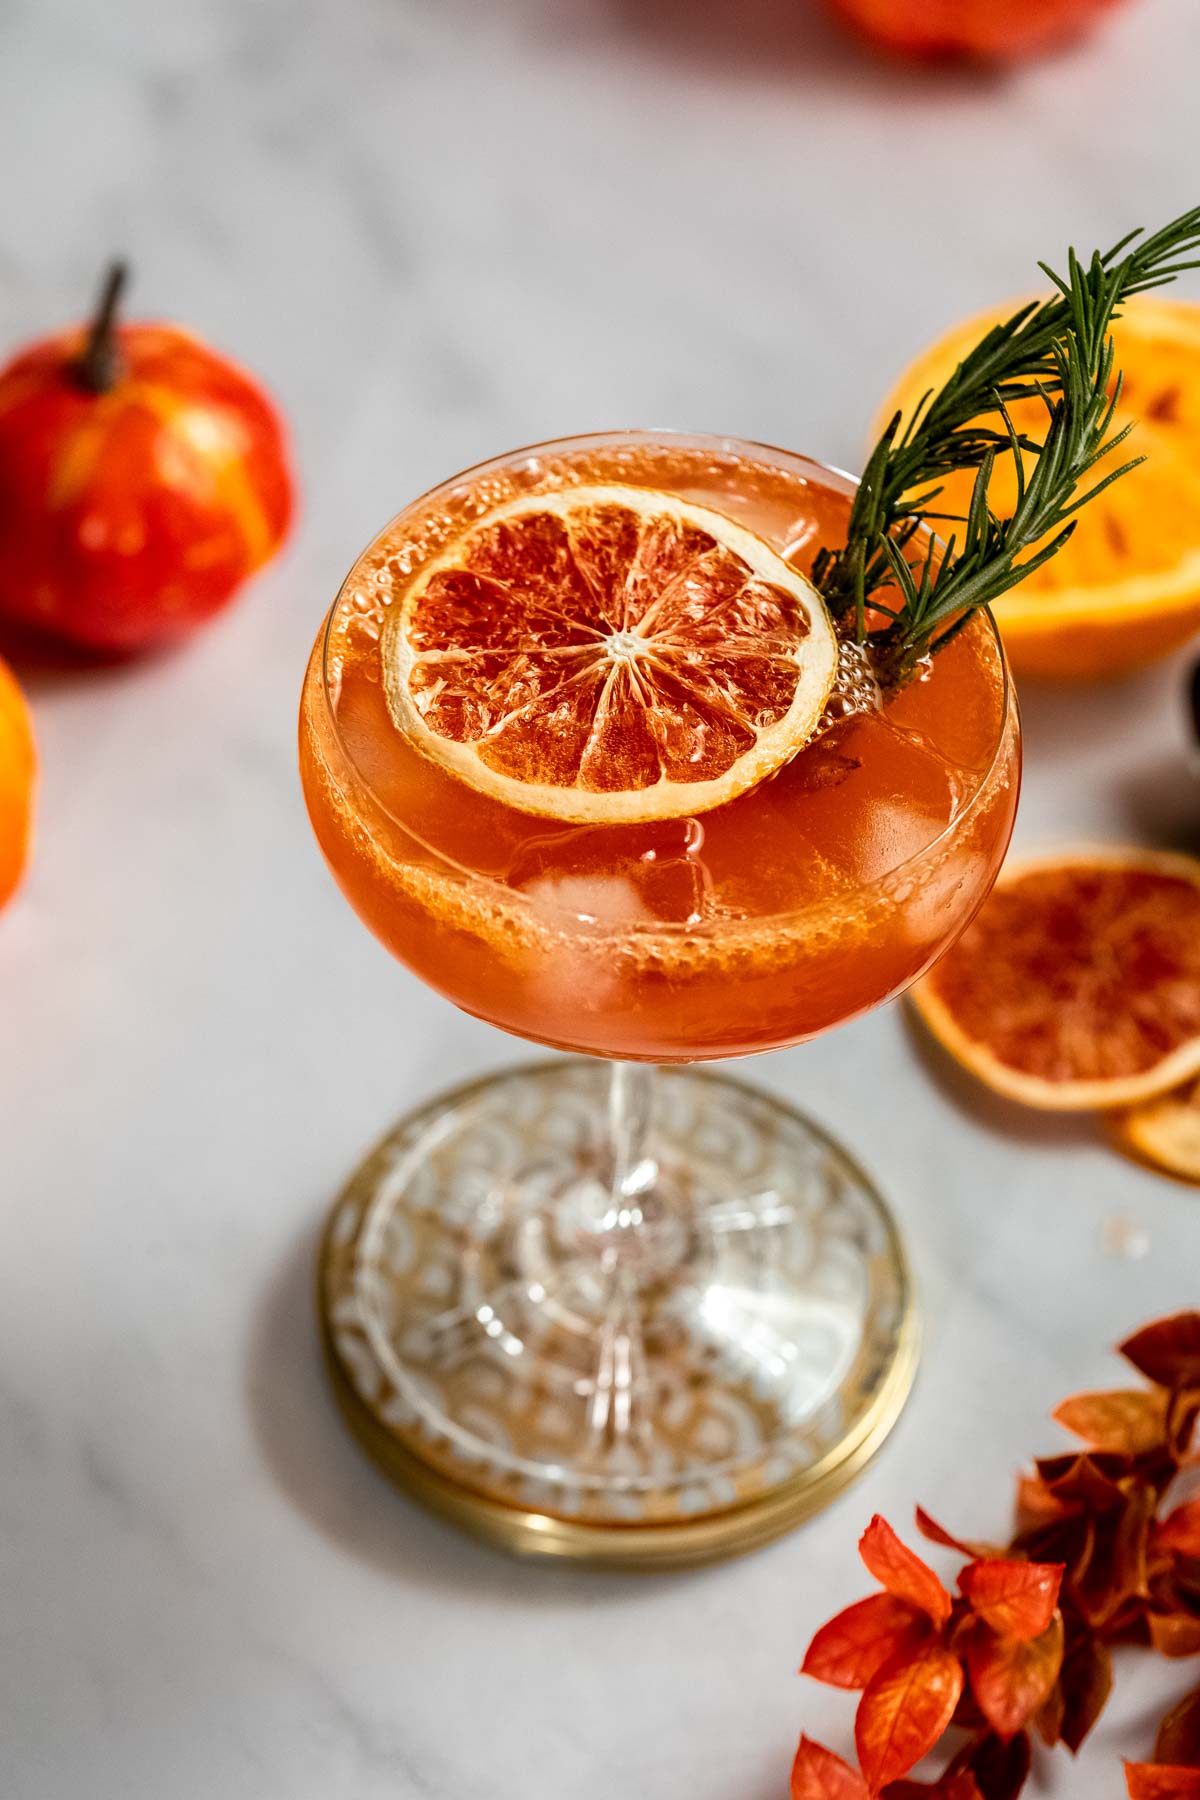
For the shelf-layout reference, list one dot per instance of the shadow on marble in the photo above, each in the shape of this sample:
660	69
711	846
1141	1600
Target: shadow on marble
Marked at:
326	1478
44	666
1004	1118
1057	717
1161	802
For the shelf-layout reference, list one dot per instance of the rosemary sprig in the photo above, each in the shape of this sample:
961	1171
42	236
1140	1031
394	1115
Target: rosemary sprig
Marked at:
1058	351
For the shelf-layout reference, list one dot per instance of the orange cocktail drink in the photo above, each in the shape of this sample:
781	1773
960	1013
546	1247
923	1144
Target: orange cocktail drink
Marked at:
585	748
671	749
810	895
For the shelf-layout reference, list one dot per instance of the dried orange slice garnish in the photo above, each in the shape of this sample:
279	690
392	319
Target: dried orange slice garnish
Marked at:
1126	590
1164	1132
606	653
1078	985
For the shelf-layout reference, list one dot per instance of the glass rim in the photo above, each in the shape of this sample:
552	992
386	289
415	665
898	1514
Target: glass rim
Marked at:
657	927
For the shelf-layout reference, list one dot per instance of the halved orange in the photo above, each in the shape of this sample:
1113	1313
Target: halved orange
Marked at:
1077	987
1126	590
609	653
1164	1132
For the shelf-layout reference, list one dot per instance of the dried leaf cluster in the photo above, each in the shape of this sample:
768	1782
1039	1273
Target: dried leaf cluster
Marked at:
1106	1552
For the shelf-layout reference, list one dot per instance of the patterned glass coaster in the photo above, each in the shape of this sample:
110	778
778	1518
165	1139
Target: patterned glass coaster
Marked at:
671	1392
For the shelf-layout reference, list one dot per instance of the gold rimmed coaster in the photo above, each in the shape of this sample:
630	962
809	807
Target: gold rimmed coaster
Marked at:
500	1368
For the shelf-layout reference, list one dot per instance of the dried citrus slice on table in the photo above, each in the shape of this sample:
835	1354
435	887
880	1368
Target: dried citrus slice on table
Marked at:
1126	589
609	653
1164	1132
1077	987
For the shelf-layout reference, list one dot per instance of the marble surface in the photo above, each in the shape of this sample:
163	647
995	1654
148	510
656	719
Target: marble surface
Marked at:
439	228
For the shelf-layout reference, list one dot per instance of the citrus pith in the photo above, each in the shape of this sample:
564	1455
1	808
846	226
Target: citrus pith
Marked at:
1077	987
609	653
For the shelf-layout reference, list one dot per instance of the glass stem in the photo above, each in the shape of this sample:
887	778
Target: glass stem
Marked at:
630	1118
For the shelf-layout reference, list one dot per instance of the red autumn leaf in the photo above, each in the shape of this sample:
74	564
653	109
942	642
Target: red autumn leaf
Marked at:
904	1712
1174	1634
959	1786
937	1534
1016	1598
817	1774
1036	1505
1071	1541
1000	1769
1011	1679
1132	1420
1180	1530
1085	1684
1159	1781
1168	1351
1131	1545
1117	1571
1182	1413
1179	1734
901	1572
1050	1716
848	1651
1091	1478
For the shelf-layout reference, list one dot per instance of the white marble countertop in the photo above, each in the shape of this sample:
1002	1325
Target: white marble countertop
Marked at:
440	228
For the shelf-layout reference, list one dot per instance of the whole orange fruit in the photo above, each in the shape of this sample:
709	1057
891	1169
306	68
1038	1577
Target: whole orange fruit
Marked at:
993	29
18	772
142	478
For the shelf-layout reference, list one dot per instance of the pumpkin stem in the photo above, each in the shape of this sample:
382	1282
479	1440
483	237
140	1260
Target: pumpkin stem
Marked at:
100	363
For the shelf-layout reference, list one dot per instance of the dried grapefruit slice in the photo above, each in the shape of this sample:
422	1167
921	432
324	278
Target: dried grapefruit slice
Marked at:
1126	589
609	653
1078	985
1164	1132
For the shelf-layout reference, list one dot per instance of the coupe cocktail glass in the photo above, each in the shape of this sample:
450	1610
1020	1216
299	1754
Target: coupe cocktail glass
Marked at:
632	1293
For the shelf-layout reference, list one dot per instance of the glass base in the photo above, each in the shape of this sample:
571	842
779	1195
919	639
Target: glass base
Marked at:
670	1375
